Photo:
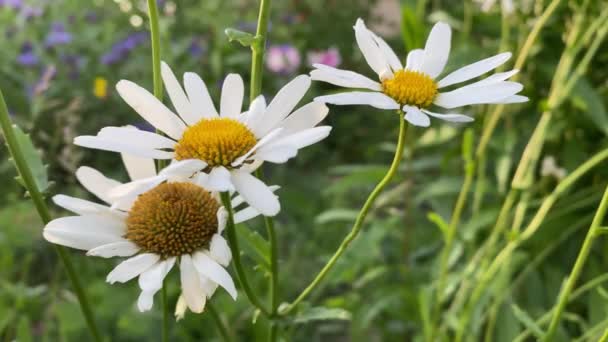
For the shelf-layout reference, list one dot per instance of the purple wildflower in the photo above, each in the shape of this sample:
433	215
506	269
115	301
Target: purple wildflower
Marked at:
27	56
30	12
196	49
283	59
74	64
57	36
121	50
330	57
14	4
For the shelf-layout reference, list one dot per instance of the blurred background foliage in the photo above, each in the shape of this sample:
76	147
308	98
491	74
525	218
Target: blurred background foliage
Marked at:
61	58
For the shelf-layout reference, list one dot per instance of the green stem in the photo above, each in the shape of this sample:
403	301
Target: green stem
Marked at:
236	255
257	49
274	265
30	184
165	316
360	218
217	318
604	337
581	259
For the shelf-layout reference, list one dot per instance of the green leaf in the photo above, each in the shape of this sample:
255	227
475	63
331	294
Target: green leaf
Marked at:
321	314
587	99
439	222
33	160
256	244
527	321
245	38
411	28
337	214
24	333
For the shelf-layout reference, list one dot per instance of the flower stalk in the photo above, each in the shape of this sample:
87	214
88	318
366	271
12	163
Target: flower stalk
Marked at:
581	259
43	211
403	125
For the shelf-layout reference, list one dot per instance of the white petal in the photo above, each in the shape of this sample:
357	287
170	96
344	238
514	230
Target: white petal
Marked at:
389	54
283	103
370	50
437	49
96	183
136	137
493	79
187	168
238	200
475	95
219	250
414	60
123	248
134	189
343	78
233	92
84	232
178	97
245	215
209	268
264	141
151	109
513	99
80	206
256	193
199	96
277	154
373	99
222	219
151	281
451	117
219	180
416	117
307	116
137	167
256	111
132	267
473	70
303	138
191	286
122	147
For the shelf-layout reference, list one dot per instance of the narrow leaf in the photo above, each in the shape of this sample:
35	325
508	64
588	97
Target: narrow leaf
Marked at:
245	38
527	321
321	314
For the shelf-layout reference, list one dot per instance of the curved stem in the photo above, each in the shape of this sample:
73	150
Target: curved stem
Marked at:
360	218
30	184
578	267
236	255
221	327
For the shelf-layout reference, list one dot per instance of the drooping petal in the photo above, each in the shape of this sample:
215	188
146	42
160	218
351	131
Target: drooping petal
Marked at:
150	281
377	100
178	97
512	99
283	103
231	100
186	168
388	52
493	79
219	250
268	138
123	248
414	60
476	95
84	232
473	70
199	96
209	268
343	78
132	267
416	117
256	193
137	167
451	117
96	183
370	50
305	117
121	147
82	207
191	287
256	111
219	180
151	109
437	50
136	137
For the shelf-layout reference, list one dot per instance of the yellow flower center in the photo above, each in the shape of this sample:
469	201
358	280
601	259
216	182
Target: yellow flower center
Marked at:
412	88
173	219
218	141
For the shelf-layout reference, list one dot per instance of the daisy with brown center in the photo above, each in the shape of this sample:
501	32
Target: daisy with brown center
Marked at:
229	145
415	88
174	221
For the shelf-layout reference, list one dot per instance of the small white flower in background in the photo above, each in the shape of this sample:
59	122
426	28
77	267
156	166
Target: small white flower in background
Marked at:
508	6
550	168
155	226
415	88
229	145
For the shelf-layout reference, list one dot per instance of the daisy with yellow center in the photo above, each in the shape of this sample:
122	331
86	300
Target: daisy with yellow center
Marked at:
415	88
155	226
228	145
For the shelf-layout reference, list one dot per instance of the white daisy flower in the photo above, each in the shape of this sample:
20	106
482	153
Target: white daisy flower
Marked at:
230	144
415	88
173	221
